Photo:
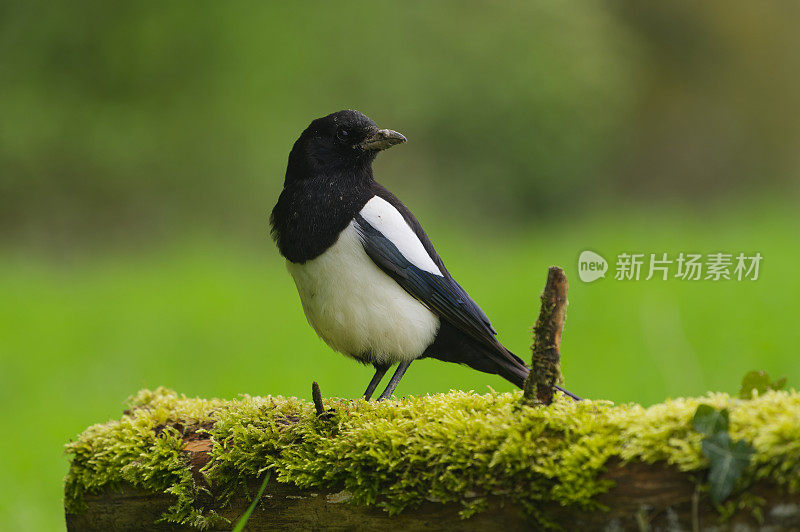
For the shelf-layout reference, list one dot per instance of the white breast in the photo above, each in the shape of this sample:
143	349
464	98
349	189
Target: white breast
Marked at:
357	309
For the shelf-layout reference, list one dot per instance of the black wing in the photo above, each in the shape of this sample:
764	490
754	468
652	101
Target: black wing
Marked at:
440	293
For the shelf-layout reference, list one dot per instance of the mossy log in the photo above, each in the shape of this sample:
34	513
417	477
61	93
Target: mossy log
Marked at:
453	461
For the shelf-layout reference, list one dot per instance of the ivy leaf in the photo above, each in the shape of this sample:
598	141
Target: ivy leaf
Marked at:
728	461
709	421
759	381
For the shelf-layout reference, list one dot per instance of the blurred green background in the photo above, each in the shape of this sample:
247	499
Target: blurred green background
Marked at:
142	146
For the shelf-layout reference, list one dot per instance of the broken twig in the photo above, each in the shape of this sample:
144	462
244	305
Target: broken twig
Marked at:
316	396
545	372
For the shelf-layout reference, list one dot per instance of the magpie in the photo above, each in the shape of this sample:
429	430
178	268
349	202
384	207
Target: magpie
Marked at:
370	281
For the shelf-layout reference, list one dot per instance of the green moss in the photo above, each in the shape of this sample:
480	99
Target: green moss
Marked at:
456	447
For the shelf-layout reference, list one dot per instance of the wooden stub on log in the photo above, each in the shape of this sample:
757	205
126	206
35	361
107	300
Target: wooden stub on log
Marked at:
316	397
546	359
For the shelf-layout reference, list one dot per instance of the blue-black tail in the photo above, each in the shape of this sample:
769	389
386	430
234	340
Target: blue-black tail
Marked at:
452	345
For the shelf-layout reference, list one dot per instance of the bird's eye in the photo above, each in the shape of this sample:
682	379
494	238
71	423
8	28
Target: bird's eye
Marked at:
342	133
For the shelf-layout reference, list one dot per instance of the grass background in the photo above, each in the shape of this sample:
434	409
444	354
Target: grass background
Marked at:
211	318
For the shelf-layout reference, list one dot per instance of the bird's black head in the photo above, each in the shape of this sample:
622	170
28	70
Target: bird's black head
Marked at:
340	142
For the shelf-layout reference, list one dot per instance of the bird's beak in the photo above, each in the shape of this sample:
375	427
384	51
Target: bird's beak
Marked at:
380	139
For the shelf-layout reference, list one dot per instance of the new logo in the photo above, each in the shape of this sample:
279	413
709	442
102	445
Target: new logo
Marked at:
591	266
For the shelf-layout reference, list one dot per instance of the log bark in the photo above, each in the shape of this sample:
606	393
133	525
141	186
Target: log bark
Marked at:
646	497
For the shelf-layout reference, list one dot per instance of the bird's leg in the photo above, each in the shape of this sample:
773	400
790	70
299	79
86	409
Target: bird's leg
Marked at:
398	374
380	371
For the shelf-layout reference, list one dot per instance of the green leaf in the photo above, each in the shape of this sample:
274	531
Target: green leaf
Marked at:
728	462
246	516
759	381
709	421
779	384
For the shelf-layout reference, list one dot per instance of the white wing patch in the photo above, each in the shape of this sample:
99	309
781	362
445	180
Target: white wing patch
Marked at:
381	215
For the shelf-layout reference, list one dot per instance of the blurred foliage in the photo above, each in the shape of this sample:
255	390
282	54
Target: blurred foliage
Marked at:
172	121
147	117
759	382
